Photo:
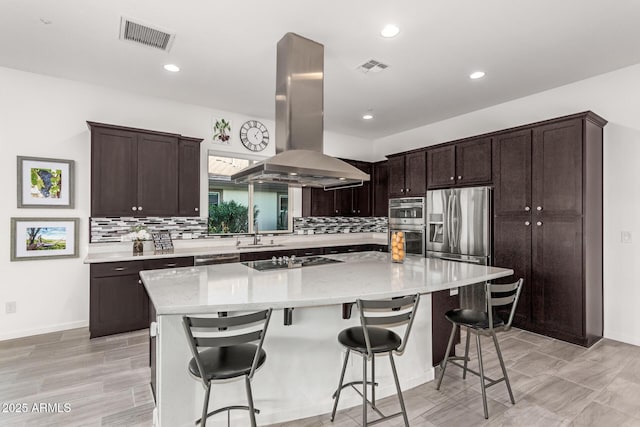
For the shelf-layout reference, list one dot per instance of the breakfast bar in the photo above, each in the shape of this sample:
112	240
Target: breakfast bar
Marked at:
304	358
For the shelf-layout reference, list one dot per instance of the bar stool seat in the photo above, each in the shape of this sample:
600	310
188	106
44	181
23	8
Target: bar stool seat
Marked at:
221	363
382	340
472	318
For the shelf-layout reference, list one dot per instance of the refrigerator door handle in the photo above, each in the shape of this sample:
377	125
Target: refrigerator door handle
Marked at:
458	220
450	222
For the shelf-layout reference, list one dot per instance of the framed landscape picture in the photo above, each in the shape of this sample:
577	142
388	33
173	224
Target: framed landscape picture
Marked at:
36	238
45	183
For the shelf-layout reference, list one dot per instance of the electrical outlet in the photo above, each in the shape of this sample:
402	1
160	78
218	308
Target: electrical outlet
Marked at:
10	307
453	291
625	237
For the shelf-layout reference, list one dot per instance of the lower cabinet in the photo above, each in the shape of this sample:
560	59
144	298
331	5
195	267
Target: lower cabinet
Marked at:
118	301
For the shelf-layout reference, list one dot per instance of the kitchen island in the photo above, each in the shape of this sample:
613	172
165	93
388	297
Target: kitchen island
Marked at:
303	359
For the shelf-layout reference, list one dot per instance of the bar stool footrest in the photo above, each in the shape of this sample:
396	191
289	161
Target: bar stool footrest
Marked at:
227	408
488	381
351	384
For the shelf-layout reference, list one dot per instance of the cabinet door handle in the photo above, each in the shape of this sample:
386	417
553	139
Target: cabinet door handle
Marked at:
196	209
408	189
402	190
459	176
171	264
308	253
527	208
539	208
119	268
451	178
539	223
527	223
133	208
336	210
139	282
358	210
139	208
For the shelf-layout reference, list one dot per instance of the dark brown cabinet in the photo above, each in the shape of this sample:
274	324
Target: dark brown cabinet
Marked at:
380	189
408	175
118	301
137	172
189	177
462	163
355	201
548	224
441	302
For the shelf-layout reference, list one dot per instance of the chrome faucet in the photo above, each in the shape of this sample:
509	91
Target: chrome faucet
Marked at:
256	238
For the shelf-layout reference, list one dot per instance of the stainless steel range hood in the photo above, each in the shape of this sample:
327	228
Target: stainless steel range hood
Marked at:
299	158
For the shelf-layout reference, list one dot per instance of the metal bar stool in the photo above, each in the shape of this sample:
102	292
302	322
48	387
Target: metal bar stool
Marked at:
369	339
228	353
483	323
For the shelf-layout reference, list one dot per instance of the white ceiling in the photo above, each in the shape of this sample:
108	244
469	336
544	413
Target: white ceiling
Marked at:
227	51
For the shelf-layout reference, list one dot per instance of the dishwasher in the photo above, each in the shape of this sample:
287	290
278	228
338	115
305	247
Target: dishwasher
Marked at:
215	259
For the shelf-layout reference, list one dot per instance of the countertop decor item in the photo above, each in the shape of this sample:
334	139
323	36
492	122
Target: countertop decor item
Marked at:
45	183
138	236
398	247
34	238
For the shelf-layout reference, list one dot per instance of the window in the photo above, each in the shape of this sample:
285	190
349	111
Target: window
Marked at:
229	202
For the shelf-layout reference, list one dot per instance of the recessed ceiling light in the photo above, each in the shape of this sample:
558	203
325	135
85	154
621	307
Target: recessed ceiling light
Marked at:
293	173
172	67
45	21
389	31
367	117
476	75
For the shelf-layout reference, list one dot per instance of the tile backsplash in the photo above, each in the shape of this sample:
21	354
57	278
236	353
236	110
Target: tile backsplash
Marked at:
105	230
339	224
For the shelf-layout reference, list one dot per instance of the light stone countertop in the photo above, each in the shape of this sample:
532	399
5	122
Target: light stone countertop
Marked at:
368	275
114	252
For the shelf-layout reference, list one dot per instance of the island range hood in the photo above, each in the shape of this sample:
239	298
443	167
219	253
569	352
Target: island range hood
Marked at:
299	158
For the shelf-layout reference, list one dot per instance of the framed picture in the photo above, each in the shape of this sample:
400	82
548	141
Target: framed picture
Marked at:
45	183
35	238
221	131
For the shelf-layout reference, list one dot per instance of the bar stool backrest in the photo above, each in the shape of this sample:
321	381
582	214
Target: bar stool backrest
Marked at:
499	295
389	312
208	332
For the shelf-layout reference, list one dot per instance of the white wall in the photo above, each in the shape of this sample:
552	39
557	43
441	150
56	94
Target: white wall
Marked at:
46	117
616	97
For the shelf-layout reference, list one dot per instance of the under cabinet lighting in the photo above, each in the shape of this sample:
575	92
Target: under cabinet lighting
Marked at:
476	75
367	117
172	67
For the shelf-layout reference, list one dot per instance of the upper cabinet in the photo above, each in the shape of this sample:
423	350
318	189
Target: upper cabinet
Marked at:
354	201
407	175
138	172
380	188
189	176
460	164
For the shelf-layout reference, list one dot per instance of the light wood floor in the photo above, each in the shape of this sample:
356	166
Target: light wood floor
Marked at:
105	382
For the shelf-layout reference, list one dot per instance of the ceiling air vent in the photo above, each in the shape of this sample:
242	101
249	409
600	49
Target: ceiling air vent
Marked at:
145	34
372	66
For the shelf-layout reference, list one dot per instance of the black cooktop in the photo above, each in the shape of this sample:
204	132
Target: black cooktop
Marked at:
280	263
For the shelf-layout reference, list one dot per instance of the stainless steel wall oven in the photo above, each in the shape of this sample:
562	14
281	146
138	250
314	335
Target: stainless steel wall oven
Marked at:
408	215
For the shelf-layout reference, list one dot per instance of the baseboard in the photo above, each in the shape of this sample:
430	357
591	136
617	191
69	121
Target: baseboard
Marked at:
38	331
628	339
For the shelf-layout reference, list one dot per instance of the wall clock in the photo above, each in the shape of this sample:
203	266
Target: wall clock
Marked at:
254	135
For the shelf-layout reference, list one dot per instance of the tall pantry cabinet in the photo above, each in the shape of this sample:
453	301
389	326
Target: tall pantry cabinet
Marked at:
548	223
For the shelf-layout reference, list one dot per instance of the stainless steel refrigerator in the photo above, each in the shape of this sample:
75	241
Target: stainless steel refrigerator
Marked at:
459	229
